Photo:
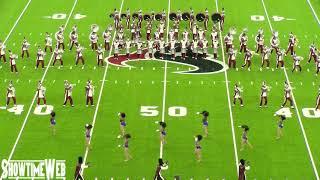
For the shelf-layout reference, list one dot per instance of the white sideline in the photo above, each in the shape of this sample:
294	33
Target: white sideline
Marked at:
229	101
15	23
295	104
34	98
100	96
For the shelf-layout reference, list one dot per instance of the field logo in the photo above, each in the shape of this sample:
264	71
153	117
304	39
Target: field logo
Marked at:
33	169
201	65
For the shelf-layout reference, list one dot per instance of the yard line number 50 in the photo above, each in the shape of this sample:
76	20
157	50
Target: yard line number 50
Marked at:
152	111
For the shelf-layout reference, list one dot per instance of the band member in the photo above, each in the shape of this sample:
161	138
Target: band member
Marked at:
214	35
128	18
176	29
232	58
80	166
194	28
243	38
133	30
53	122
206	19
173	49
163	132
265	57
116	19
48	42
191	19
222	19
291	44
127	154
185	35
312	53
150	48
162	27
13	65
116	50
161	166
73	39
94	40
179	15
242	169
318	101
149	29
274	42
194	48
25	48
123	124
57	56
128	46
3	52
237	95
259	41
215	46
137	32
107	37
204	47
140	18
11	94
296	62
79	55
280	59
100	53
41	94
60	39
205	124
287	95
197	149
139	48
244	137
89	93
228	40
247	59
264	94
183	48
162	45
280	126
40	58
171	35
201	34
88	128
68	93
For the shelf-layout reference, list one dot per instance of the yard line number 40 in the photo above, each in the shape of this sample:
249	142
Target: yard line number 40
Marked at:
40	110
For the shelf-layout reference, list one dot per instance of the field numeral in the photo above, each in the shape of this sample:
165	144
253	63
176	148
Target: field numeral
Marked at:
310	113
16	110
285	112
259	18
152	111
61	16
43	110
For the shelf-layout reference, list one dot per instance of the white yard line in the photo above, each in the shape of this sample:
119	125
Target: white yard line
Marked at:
34	98
314	12
295	104
15	23
165	80
100	95
229	101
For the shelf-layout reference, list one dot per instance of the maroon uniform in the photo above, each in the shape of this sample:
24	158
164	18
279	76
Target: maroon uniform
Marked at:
291	44
242	172
312	53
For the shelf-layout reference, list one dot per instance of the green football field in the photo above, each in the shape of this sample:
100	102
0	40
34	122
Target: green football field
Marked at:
151	91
